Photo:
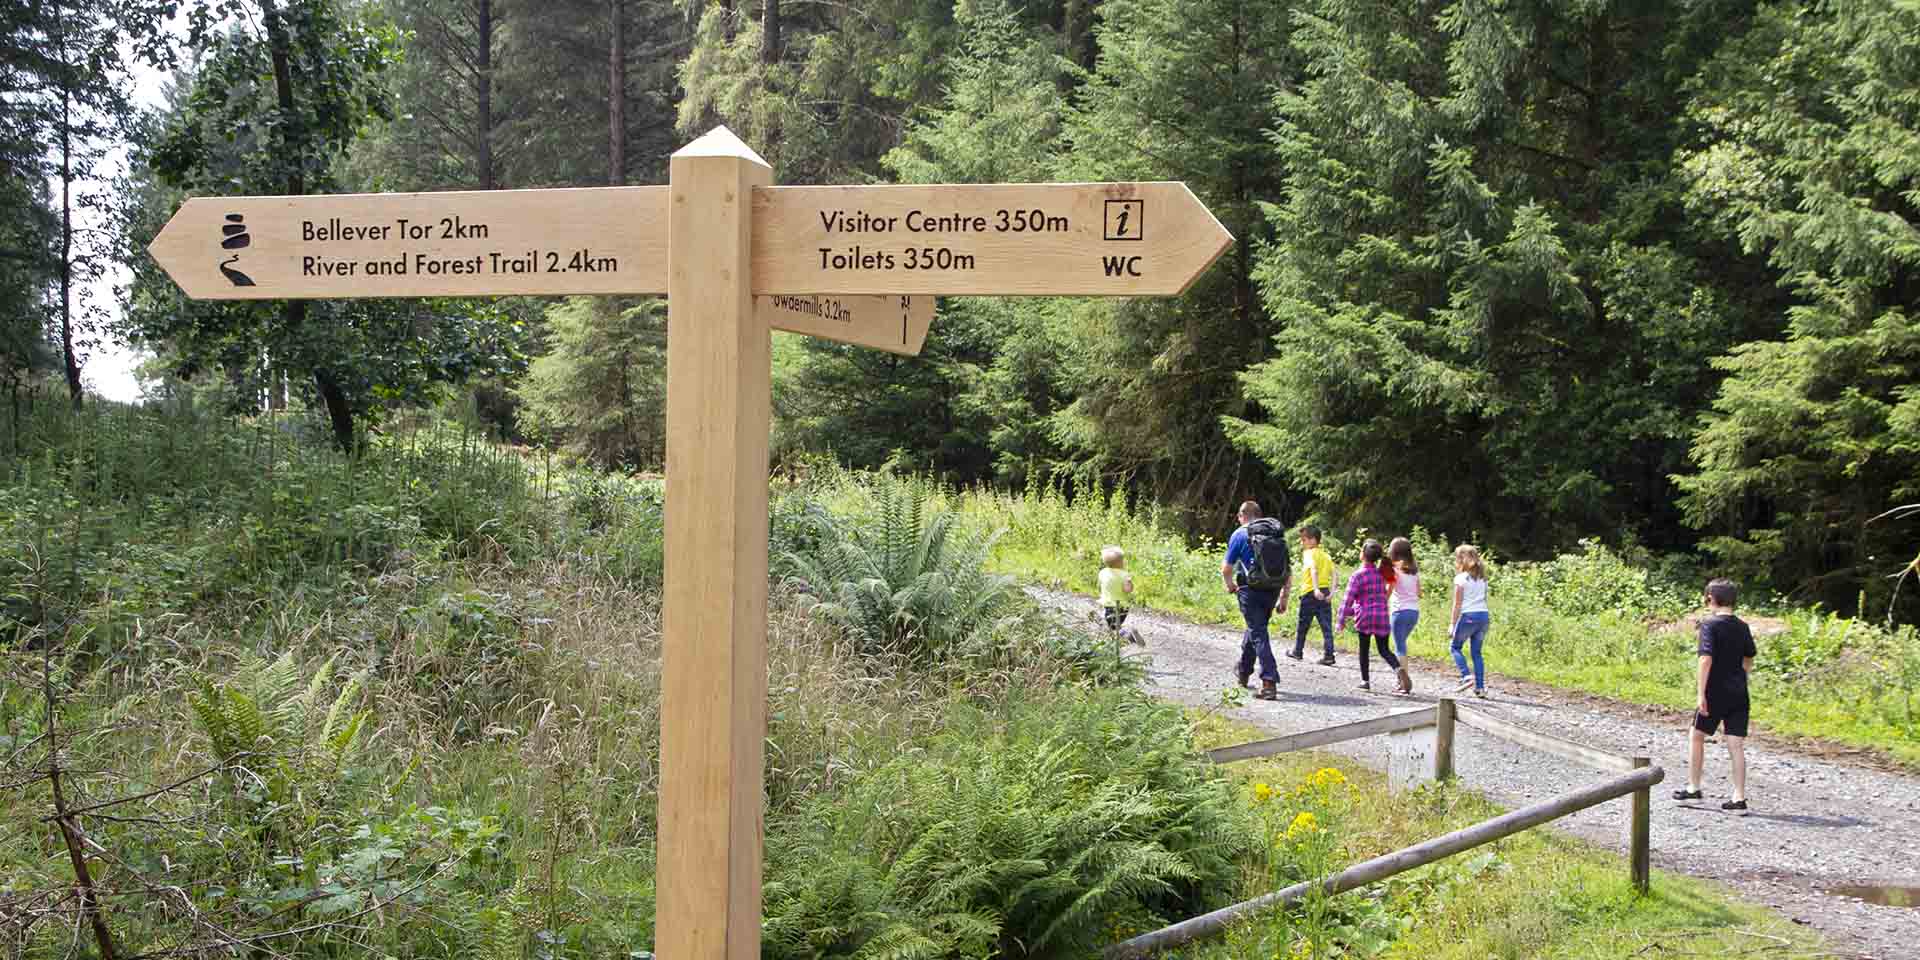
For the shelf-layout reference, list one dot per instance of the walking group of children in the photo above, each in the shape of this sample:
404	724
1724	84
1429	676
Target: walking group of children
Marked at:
1382	600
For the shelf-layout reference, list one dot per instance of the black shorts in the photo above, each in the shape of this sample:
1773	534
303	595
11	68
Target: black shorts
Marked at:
1115	616
1736	721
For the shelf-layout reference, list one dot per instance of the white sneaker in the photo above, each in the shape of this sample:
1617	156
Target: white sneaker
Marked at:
1465	683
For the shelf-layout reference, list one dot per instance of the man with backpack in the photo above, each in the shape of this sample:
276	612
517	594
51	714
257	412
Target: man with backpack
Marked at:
1258	572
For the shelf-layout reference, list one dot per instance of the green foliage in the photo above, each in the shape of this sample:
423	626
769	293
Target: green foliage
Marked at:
272	108
955	407
1000	110
600	392
1812	124
1480	245
281	740
910	580
1030	834
1181	90
1596	580
1536	894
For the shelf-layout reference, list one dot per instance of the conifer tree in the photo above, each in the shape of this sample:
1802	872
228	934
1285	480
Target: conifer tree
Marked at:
1812	157
1489	300
996	122
1181	91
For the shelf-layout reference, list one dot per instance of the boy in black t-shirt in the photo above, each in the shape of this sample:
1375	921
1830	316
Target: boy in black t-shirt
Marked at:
1726	654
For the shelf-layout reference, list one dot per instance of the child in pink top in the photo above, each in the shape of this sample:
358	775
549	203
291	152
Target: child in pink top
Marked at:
1366	606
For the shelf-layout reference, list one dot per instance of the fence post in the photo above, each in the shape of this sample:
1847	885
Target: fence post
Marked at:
1443	739
1642	832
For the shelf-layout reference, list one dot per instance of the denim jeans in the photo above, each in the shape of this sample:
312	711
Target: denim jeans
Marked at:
1313	608
1403	624
1256	608
1472	628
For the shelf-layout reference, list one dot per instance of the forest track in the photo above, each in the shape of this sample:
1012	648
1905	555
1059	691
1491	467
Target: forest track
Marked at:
1818	821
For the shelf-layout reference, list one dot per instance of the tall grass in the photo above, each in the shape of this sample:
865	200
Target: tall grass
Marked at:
407	704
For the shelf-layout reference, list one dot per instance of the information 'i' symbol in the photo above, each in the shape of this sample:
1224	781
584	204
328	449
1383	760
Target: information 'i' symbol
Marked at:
1125	220
234	237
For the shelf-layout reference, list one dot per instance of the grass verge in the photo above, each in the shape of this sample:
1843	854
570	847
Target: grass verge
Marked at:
1536	894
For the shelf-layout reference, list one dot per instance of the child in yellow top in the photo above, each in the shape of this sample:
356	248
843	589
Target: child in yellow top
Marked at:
1315	581
1115	586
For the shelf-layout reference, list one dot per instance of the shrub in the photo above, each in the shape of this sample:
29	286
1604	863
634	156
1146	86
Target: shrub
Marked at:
1039	833
911	580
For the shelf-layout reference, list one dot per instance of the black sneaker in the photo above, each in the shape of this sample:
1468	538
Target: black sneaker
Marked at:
1326	661
1295	655
1689	795
1735	806
1366	685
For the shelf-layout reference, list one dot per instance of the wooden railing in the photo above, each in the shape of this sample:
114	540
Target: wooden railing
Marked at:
1632	775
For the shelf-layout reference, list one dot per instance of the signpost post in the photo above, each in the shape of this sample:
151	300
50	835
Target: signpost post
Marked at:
737	257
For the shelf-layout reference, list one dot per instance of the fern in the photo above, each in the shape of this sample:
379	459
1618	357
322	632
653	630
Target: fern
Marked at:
1019	837
910	580
282	736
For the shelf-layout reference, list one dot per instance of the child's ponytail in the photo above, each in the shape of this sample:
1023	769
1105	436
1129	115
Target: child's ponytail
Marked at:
1467	557
1373	556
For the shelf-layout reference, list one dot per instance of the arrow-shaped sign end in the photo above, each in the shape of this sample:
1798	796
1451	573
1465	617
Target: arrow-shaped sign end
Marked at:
1215	238
181	243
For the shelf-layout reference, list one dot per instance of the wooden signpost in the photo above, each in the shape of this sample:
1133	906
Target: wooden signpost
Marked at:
736	257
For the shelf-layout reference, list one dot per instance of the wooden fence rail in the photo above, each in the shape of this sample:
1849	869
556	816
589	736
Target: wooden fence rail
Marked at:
1635	775
1382	867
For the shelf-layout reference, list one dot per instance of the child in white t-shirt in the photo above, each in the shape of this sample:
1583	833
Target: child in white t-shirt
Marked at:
1403	601
1470	618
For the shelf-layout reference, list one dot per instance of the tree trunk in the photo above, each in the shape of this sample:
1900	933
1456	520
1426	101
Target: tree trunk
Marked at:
617	94
338	413
726	19
483	87
770	32
295	311
72	362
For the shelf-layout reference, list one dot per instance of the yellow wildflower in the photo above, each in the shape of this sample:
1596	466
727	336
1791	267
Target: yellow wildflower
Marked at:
1303	824
1262	793
1326	777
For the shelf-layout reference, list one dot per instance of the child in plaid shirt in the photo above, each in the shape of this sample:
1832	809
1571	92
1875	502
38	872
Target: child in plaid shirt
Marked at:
1366	606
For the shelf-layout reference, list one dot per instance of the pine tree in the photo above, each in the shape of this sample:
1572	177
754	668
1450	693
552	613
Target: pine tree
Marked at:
1489	300
1813	157
1182	90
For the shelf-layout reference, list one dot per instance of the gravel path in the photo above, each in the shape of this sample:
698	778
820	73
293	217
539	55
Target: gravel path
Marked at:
1816	823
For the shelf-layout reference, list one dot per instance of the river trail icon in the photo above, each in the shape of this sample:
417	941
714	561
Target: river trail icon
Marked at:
234	232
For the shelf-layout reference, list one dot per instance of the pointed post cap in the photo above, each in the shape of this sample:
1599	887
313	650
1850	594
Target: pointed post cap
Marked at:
719	142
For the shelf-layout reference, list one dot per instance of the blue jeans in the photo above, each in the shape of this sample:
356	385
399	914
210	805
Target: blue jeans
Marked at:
1256	608
1471	628
1403	624
1313	608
